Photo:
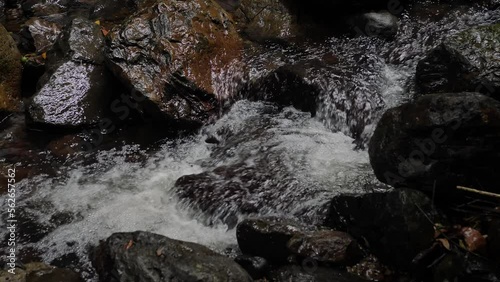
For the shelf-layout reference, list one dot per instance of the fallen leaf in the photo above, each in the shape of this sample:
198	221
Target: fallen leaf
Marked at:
104	31
98	22
159	252
445	243
474	240
129	245
44	55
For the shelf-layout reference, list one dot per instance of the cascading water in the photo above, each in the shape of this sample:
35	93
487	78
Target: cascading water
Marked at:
280	161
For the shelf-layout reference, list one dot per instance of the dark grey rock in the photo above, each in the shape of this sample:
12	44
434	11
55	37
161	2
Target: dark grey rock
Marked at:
395	224
468	61
439	141
257	267
75	91
268	237
143	256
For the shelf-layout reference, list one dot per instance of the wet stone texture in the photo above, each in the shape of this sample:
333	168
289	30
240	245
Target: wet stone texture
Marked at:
175	54
75	90
143	256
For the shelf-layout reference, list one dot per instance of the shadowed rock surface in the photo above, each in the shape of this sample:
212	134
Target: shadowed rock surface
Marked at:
439	141
143	256
468	61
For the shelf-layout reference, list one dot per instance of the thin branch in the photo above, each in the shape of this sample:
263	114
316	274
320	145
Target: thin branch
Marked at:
484	193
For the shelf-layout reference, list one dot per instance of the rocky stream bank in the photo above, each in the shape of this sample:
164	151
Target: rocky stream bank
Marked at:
239	140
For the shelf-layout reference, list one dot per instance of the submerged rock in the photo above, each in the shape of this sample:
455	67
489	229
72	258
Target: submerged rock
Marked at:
286	86
75	90
143	256
10	73
468	61
395	224
439	141
176	54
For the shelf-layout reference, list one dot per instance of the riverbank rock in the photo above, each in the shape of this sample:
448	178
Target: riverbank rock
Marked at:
40	272
394	224
75	90
268	237
143	256
439	141
10	73
468	61
180	56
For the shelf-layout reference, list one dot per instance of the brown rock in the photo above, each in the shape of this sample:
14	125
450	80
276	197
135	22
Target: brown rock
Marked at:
10	73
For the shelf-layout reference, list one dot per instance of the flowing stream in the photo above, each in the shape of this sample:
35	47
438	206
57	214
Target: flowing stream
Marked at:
298	162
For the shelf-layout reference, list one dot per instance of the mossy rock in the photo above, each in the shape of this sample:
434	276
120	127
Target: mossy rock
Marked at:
11	71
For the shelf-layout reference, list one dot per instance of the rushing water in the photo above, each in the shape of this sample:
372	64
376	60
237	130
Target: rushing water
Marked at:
295	162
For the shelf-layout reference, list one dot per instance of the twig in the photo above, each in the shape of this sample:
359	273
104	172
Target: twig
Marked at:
484	193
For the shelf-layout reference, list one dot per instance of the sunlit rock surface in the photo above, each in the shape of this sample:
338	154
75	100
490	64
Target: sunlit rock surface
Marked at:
177	54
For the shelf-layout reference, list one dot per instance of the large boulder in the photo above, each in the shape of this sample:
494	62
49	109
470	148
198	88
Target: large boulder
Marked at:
178	55
468	61
143	256
439	141
396	225
75	90
10	73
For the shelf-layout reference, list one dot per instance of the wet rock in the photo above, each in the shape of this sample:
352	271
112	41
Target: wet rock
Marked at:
40	272
378	24
394	224
143	256
266	20
44	33
438	142
75	90
112	12
310	274
458	265
286	86
175	54
370	269
268	237
468	61
10	73
257	267
326	246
